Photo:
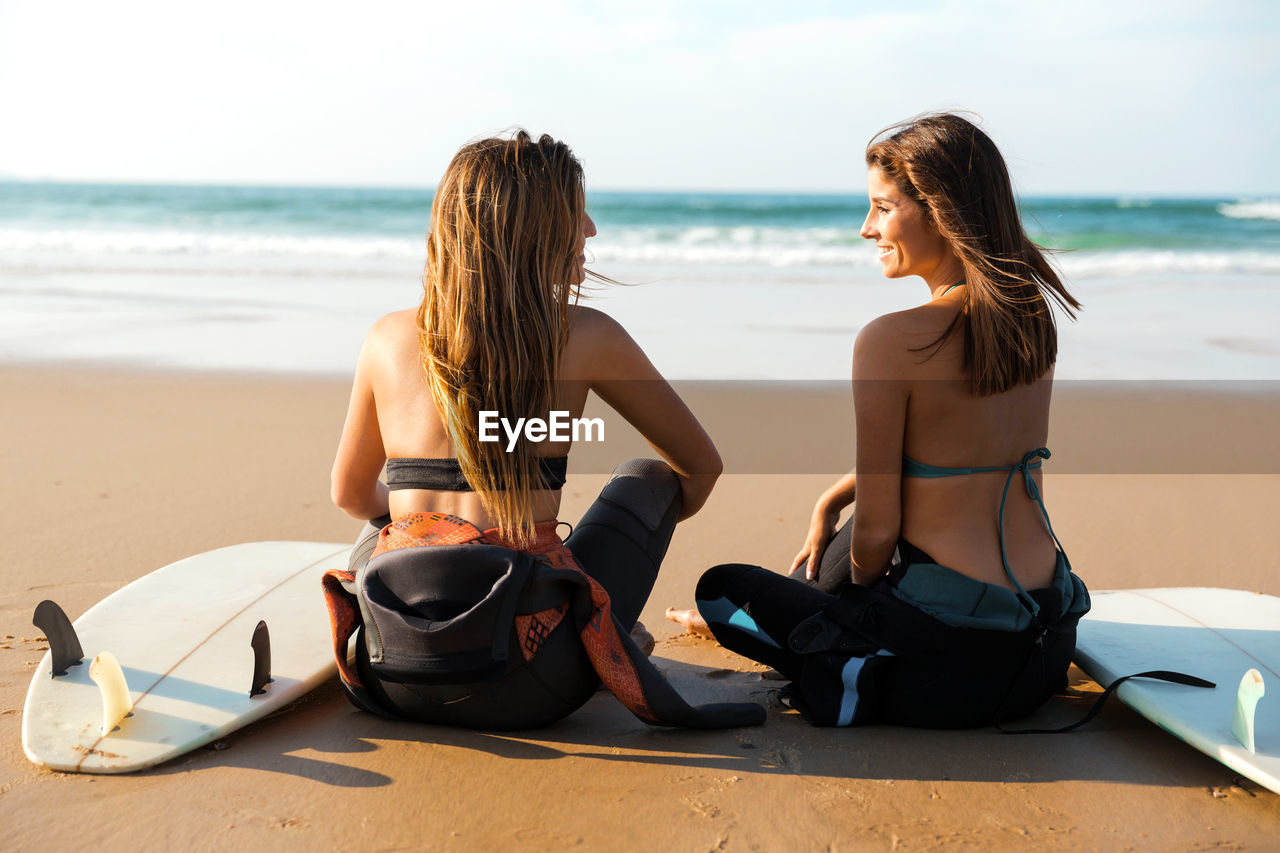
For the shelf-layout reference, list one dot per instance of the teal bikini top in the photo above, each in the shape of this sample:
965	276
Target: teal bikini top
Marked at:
1032	460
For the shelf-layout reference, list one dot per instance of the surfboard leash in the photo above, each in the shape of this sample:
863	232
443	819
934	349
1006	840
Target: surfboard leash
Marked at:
1158	674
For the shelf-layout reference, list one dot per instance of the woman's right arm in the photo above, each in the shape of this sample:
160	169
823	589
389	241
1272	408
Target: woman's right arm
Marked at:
622	375
354	484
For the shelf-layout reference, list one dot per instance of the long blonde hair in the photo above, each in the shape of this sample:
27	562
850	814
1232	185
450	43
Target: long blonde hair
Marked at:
955	172
500	274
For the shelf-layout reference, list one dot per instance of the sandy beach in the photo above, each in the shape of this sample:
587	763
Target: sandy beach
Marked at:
204	211
111	474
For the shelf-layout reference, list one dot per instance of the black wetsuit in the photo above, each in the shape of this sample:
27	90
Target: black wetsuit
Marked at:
926	646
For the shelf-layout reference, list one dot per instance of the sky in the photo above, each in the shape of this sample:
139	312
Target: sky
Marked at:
1128	97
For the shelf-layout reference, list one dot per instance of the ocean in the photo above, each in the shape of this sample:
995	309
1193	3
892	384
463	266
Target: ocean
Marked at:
716	285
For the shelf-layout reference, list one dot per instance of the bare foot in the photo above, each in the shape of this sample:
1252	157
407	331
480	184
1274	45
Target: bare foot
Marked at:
691	620
641	637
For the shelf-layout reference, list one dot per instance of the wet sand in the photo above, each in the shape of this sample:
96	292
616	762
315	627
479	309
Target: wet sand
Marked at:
109	475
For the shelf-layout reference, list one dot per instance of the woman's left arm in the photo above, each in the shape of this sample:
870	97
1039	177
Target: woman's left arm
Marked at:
354	484
880	395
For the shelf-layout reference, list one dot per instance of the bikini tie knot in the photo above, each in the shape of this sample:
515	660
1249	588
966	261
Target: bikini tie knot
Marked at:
1029	461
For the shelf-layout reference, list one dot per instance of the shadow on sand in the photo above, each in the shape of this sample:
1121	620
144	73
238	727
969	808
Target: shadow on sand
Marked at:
324	739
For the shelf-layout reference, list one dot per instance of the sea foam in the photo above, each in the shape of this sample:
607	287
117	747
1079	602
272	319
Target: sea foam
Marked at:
83	241
1251	210
826	249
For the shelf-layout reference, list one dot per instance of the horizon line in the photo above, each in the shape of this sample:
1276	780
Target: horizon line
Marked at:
411	187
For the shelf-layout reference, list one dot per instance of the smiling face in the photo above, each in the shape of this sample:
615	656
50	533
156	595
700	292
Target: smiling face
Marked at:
906	239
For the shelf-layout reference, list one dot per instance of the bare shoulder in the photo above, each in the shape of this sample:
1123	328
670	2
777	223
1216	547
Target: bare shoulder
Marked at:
885	329
890	345
392	334
599	348
593	333
396	323
880	349
592	323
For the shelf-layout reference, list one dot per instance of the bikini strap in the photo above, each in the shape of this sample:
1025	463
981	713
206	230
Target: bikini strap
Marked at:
925	471
1029	462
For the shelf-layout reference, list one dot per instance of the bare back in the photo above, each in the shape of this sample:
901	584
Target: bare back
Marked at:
392	415
954	519
410	424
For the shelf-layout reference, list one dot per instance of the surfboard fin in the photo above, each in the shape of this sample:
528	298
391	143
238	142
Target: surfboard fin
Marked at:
1251	690
261	644
106	673
64	645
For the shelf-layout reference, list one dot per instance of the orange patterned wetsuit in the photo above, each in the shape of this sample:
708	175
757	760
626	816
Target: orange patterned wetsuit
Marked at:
600	579
600	636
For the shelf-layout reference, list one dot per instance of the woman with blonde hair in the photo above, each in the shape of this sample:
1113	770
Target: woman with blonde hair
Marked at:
471	610
946	600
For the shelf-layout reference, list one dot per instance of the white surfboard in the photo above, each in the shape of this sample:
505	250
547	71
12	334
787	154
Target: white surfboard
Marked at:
181	639
1229	637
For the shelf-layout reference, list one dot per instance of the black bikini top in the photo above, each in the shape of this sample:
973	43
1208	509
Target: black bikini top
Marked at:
445	475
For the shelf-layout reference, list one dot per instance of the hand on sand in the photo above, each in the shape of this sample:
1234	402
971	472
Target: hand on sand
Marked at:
691	620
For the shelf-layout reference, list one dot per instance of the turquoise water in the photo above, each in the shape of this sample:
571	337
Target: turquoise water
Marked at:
733	286
94	225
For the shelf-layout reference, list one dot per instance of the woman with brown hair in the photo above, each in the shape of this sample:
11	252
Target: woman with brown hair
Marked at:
946	600
471	610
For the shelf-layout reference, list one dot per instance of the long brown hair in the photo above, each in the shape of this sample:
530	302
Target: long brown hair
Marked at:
955	172
500	274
